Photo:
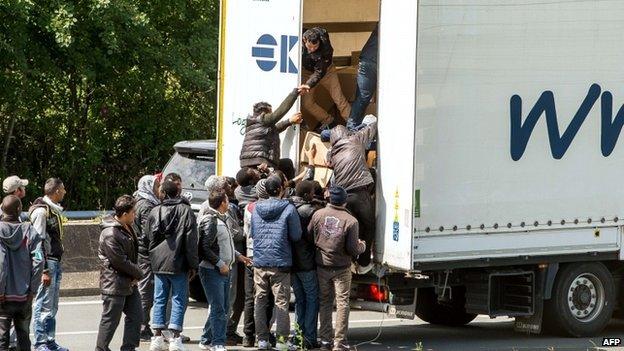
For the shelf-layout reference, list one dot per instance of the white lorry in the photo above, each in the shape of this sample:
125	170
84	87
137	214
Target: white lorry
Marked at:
498	163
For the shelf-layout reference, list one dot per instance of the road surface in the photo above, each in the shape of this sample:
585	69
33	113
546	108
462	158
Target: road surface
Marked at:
78	320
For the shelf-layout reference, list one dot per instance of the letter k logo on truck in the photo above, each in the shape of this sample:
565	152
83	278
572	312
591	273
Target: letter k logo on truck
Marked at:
265	55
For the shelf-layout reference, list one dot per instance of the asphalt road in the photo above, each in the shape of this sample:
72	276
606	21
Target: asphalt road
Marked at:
78	320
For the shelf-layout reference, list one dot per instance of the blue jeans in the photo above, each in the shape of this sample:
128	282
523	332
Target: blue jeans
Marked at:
216	287
366	86
46	306
306	289
177	284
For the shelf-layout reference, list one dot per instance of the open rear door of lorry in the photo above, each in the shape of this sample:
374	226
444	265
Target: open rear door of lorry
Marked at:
396	200
259	60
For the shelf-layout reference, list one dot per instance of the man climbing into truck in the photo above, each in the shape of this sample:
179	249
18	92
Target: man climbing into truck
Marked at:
347	157
317	61
262	144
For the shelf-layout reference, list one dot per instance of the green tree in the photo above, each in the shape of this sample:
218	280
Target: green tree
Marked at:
97	91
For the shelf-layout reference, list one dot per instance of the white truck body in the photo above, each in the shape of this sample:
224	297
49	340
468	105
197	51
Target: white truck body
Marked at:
454	181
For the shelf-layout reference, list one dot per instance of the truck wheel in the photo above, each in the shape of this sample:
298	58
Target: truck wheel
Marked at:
196	290
582	302
451	314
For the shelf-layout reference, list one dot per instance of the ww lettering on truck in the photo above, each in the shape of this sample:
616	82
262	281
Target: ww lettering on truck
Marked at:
559	143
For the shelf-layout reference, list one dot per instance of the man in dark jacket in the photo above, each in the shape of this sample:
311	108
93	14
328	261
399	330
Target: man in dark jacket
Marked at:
21	255
119	275
262	144
274	226
146	199
336	237
171	231
304	280
47	219
347	157
237	281
317	62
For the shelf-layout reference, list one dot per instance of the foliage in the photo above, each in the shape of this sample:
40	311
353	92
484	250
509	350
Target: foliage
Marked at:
96	92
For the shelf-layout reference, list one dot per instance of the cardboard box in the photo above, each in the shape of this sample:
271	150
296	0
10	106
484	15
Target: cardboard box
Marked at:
323	175
321	149
355	58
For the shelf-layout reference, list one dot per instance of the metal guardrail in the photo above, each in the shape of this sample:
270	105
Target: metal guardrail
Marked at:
78	215
85	215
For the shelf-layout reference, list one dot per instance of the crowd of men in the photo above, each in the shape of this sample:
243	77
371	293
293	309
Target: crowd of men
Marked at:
257	236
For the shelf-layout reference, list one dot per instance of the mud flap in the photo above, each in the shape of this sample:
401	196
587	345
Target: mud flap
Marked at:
404	311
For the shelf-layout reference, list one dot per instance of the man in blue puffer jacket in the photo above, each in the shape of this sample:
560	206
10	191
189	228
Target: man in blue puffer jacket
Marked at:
275	225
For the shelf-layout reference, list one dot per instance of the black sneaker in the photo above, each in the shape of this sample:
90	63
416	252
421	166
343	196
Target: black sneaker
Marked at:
146	334
233	340
249	341
311	345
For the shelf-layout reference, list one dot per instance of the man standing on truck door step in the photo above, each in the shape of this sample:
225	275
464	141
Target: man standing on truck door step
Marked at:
119	276
317	62
366	80
22	256
171	231
261	144
146	199
335	233
218	257
274	226
347	157
46	217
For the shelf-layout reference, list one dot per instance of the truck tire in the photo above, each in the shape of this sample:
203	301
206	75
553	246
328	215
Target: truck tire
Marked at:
582	302
196	290
451	314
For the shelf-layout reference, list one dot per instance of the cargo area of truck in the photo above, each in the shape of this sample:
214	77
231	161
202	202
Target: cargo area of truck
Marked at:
349	24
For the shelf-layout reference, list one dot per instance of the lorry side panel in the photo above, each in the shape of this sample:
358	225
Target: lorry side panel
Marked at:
515	108
259	61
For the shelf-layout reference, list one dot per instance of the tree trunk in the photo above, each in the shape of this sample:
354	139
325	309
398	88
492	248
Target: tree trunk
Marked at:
7	144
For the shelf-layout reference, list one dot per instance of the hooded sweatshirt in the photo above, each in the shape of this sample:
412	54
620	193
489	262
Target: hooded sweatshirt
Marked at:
347	157
171	237
20	249
275	226
146	200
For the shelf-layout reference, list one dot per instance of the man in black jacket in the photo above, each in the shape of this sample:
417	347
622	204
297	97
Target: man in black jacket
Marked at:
317	62
262	144
304	280
171	232
119	275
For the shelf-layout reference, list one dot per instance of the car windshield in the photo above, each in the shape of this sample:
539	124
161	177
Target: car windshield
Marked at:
193	168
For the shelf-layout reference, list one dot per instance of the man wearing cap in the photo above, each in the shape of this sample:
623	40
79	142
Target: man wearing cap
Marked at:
335	233
14	185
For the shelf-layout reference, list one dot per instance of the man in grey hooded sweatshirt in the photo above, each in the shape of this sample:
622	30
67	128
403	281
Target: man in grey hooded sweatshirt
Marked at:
21	259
